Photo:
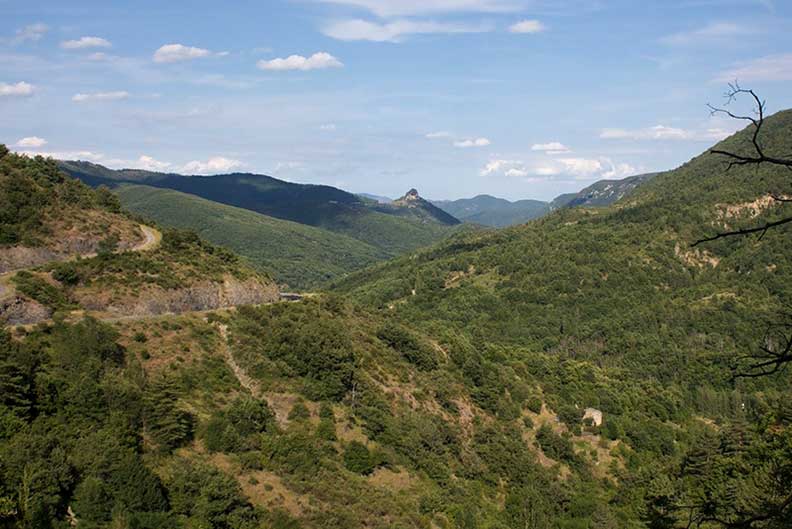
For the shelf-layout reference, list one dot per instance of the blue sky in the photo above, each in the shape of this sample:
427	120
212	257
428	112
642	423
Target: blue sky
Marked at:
515	98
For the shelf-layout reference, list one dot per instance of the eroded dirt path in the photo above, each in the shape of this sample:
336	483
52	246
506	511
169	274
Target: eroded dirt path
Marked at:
151	239
244	379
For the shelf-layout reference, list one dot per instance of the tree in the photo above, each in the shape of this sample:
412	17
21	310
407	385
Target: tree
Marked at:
776	350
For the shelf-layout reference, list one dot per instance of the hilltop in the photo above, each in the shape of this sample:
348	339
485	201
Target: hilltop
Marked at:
66	247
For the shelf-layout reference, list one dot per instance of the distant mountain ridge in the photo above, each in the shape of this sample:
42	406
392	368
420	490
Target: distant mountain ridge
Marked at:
392	228
601	193
493	211
500	213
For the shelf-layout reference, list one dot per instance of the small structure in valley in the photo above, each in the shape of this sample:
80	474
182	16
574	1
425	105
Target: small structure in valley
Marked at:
594	414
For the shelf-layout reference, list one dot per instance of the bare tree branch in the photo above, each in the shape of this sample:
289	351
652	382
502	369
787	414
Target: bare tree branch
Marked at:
762	230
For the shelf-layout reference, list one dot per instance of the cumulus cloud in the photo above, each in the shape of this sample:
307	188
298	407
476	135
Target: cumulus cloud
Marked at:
147	163
396	30
390	8
501	166
84	43
32	33
20	89
100	96
218	164
713	33
179	52
769	68
329	127
31	142
472	142
553	147
65	155
527	26
664	133
559	168
317	61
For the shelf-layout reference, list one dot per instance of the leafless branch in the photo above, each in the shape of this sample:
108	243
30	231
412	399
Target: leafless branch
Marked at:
762	230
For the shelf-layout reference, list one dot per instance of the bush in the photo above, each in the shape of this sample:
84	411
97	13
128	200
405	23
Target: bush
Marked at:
357	458
399	338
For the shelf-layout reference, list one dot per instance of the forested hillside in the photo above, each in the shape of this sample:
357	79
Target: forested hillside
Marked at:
297	255
613	308
391	229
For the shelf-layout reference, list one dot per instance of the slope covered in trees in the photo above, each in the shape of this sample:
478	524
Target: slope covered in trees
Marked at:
297	255
617	310
389	228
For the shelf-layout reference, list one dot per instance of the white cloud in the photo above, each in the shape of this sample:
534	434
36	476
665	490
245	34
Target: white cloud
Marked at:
569	168
769	68
390	8
498	166
664	133
100	96
85	42
552	147
713	33
473	142
32	33
439	134
179	52
65	155
147	163
19	89
31	142
218	164
527	26
515	172
394	31
328	127
317	61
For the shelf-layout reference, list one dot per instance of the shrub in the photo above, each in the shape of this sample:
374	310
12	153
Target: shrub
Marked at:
357	458
399	338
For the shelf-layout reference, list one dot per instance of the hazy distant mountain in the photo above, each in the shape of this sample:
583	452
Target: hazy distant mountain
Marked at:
493	211
602	193
376	198
498	212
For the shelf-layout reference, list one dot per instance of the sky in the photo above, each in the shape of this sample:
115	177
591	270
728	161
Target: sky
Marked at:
513	98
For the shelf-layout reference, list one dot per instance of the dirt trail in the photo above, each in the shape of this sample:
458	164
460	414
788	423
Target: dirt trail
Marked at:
244	380
151	241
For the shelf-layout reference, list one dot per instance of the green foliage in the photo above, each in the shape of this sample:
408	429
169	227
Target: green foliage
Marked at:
403	341
357	458
38	289
169	425
297	255
33	189
303	340
236	428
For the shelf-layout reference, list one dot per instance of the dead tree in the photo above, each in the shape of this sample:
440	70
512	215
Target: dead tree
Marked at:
775	353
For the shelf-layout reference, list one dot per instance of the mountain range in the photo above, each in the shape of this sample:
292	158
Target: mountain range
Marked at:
499	213
346	232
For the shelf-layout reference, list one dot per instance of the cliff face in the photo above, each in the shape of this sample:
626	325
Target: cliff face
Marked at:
69	245
206	295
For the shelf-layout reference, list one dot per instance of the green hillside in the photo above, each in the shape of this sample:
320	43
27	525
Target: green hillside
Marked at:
492	211
297	255
389	228
612	308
